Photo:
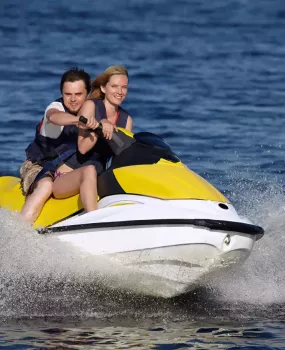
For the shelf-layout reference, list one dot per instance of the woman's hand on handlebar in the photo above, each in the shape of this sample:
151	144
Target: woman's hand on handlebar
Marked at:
108	129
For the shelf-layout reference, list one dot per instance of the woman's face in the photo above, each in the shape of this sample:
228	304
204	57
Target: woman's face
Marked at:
116	89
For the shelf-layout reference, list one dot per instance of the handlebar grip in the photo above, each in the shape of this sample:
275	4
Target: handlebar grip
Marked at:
83	119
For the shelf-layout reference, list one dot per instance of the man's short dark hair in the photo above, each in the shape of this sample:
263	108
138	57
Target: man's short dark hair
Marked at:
76	74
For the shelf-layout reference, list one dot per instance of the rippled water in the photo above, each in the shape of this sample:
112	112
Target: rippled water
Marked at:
209	77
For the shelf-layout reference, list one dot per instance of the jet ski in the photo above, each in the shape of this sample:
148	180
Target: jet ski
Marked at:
155	218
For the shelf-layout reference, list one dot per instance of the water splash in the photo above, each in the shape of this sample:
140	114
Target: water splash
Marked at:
261	280
41	276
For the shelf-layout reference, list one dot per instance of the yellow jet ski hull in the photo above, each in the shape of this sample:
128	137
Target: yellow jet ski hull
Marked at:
178	183
160	174
54	210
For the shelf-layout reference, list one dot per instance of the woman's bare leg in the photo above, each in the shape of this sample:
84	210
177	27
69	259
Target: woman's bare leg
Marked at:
35	201
83	181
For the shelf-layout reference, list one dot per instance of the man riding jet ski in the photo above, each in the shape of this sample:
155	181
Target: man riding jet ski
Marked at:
156	217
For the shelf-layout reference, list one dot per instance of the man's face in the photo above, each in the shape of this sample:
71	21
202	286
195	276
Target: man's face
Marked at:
74	95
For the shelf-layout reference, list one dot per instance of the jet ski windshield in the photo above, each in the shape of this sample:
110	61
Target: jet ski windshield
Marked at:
148	148
151	139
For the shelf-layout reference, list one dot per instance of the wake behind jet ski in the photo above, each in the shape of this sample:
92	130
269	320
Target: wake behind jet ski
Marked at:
155	217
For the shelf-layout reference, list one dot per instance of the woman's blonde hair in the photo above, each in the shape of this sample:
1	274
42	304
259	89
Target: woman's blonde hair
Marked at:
103	79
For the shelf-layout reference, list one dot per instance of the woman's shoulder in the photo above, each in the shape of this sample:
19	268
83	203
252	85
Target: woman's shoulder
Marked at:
89	102
96	100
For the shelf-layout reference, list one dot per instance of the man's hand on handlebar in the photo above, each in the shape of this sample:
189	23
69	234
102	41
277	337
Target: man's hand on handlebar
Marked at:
87	123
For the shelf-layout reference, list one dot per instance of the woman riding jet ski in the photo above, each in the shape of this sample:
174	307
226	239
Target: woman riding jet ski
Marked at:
156	218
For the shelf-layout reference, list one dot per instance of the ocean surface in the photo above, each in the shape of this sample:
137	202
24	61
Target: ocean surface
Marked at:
209	77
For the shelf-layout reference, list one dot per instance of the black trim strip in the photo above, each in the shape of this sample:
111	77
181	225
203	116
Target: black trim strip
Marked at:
219	225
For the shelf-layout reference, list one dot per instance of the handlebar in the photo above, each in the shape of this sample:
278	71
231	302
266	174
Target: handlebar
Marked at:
119	141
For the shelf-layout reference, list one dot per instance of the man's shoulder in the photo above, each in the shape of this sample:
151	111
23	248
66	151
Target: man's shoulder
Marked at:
57	104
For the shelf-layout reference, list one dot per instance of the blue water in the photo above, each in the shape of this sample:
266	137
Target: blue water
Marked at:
209	77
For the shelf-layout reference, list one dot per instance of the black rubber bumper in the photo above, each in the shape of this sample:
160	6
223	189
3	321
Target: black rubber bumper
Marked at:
217	225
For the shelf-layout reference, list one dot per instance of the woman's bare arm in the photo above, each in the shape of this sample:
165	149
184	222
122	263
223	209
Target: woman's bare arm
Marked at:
87	139
129	125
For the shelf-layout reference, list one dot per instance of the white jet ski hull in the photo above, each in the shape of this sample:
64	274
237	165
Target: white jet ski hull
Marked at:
174	245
